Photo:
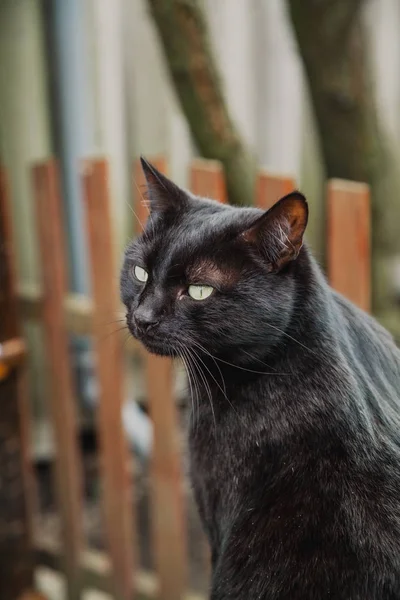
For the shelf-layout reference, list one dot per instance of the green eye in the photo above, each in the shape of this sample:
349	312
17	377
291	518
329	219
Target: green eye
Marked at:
200	292
141	274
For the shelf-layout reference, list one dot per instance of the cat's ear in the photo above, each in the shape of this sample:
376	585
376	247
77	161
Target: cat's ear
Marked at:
163	194
278	233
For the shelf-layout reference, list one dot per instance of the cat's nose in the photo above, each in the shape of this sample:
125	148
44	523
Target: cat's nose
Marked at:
145	318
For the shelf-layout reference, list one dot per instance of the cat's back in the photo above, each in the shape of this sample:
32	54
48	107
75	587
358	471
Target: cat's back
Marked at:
364	341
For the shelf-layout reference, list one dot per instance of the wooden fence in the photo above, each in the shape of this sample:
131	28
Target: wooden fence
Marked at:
62	313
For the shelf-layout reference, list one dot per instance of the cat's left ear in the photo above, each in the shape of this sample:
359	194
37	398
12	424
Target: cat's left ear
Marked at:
164	195
278	233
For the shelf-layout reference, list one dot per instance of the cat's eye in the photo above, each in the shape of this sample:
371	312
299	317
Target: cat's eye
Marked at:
200	292
141	274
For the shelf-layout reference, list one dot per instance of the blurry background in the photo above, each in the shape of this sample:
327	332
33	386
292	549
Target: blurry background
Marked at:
309	88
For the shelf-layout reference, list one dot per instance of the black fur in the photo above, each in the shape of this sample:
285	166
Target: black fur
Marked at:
295	429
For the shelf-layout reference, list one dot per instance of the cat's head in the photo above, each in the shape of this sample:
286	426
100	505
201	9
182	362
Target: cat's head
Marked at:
205	275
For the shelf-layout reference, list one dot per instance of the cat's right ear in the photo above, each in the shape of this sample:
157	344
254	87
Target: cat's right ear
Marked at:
278	233
164	195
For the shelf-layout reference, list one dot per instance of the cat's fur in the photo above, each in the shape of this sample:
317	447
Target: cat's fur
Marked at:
295	429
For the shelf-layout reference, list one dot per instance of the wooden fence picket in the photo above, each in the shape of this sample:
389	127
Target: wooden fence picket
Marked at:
61	397
349	255
207	179
270	188
115	457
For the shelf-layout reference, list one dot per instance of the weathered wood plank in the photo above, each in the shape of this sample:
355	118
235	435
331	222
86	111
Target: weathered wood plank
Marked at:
207	179
17	484
349	253
68	475
272	187
115	456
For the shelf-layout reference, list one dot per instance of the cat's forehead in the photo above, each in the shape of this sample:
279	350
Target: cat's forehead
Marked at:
206	222
206	218
196	236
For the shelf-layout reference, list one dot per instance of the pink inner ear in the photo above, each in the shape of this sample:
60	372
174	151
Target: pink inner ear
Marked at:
278	233
292	212
298	216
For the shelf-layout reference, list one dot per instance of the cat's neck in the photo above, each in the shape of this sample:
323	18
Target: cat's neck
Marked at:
312	328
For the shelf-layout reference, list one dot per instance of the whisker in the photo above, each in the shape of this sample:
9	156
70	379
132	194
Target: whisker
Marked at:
238	366
197	387
189	372
258	359
224	393
114	321
110	333
220	372
196	397
291	338
133	211
126	338
206	385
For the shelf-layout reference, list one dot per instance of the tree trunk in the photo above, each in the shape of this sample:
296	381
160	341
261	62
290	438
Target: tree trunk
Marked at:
334	49
183	32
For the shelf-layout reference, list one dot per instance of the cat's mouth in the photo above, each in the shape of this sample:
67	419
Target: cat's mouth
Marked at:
154	342
158	346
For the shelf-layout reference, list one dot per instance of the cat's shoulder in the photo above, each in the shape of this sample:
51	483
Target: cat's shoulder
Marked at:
360	320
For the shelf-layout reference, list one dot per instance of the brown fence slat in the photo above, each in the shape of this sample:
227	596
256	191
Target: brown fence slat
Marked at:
17	492
270	188
60	396
168	513
139	188
9	307
207	179
110	364
349	266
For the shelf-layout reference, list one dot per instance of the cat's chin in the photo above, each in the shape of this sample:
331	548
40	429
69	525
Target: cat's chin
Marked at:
160	348
155	344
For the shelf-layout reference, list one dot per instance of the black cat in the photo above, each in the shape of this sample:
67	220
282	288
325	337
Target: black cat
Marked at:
295	428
